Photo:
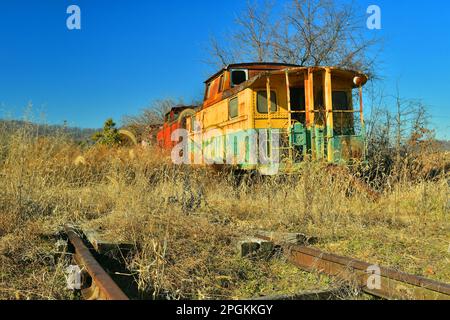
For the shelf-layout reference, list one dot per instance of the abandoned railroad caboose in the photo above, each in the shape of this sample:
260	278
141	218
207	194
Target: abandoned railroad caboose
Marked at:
314	112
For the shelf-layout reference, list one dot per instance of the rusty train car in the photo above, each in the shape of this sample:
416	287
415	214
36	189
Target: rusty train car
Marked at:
173	120
270	117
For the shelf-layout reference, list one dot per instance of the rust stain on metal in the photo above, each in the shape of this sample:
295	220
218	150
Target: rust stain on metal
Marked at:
393	284
103	287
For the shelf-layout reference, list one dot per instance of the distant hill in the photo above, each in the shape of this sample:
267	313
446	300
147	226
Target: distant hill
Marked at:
75	133
444	144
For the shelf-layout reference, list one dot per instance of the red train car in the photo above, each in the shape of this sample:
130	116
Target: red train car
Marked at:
173	120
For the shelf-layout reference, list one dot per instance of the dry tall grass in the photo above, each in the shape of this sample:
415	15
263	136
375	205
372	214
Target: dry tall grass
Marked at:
185	222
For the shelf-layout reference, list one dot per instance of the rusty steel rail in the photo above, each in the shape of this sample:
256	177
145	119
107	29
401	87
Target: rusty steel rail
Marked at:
102	287
392	284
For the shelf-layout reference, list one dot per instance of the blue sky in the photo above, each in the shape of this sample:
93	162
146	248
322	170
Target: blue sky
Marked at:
129	53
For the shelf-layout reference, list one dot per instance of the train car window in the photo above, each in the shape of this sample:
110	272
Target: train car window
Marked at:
238	77
221	83
208	91
298	104
343	121
340	100
318	100
261	101
233	109
298	99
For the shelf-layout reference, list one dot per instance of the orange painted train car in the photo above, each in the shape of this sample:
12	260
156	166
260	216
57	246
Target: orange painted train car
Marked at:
173	120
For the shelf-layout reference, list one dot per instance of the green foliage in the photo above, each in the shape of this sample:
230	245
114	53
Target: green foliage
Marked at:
109	136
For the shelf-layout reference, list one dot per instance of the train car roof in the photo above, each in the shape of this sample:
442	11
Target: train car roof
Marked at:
254	66
340	71
180	108
273	67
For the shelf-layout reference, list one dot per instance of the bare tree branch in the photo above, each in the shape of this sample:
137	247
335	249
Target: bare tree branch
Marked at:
305	32
149	117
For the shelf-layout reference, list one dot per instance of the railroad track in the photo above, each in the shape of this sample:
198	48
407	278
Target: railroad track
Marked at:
102	286
374	280
391	284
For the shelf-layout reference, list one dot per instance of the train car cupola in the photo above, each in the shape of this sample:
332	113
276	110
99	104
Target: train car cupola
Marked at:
233	76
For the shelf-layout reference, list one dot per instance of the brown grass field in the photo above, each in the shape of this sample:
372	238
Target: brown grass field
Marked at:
185	222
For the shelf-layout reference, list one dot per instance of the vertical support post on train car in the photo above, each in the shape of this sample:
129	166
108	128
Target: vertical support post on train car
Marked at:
269	114
309	87
329	114
361	106
269	107
363	125
309	99
288	95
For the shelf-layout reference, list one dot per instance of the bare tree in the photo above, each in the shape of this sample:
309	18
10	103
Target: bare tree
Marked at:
250	41
397	135
411	125
328	33
150	117
219	54
257	30
304	32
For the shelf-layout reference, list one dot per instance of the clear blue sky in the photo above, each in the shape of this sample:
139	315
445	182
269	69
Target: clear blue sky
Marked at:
129	53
